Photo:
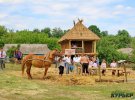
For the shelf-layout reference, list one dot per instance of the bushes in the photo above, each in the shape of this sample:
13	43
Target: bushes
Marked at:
1	44
28	37
108	50
10	51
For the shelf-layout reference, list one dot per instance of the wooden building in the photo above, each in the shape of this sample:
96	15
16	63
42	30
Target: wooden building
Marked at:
39	49
79	38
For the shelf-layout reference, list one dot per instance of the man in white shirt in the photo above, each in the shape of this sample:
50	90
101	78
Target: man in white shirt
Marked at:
2	58
68	63
76	61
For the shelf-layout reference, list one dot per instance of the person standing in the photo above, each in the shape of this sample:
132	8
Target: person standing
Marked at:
61	66
68	63
113	65
97	60
18	55
57	61
90	66
103	67
85	62
2	58
76	62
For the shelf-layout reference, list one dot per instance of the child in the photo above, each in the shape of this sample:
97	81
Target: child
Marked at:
103	67
113	65
90	66
61	66
94	71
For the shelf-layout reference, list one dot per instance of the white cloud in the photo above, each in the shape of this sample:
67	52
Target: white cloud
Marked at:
124	10
110	15
11	1
46	11
3	15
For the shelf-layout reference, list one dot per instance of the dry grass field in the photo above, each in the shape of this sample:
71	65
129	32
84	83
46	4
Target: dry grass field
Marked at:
68	87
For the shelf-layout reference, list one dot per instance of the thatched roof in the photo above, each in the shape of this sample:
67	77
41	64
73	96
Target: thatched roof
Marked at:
34	48
79	32
126	50
30	48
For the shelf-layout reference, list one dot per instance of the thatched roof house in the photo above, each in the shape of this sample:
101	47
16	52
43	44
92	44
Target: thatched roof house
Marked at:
82	37
79	32
30	48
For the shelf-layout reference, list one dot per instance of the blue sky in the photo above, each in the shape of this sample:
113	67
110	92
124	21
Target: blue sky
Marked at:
110	15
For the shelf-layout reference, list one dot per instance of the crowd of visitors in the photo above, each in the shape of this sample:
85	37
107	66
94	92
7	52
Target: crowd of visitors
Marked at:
83	64
77	64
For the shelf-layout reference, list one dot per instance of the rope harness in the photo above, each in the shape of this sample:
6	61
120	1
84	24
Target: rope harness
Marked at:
44	60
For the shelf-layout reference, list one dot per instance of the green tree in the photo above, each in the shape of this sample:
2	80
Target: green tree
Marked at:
36	30
104	33
95	29
3	30
108	50
1	44
124	39
10	51
57	32
47	31
132	58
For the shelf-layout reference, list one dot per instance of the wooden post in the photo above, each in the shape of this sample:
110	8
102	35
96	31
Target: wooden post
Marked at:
94	49
125	72
94	46
82	46
99	73
69	44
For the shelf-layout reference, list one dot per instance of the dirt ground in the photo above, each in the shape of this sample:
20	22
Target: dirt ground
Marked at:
14	86
70	79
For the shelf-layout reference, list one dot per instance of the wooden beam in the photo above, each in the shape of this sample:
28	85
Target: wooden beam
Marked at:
125	72
94	46
69	44
99	73
83	46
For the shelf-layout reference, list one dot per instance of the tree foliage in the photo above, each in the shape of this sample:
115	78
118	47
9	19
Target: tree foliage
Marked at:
132	58
95	29
124	39
108	50
106	47
36	30
47	31
3	30
25	36
57	32
10	51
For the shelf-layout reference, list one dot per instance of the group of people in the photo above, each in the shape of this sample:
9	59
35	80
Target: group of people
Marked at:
17	55
83	65
78	64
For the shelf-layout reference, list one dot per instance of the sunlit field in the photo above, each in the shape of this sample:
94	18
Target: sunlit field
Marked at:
68	87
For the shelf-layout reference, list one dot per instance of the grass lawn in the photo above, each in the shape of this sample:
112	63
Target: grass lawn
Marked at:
15	87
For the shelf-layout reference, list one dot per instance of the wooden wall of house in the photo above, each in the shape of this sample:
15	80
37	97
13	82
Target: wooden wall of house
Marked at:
64	45
88	46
